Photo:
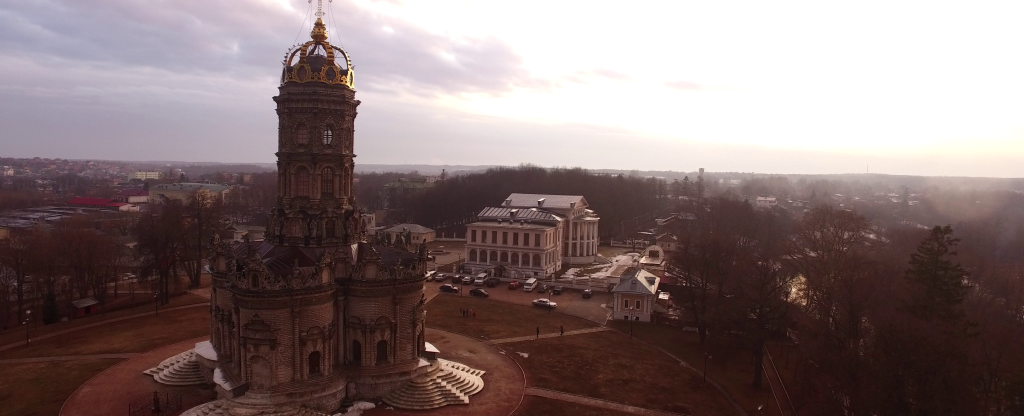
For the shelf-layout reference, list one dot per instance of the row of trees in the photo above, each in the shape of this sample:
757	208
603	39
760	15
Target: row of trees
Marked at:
619	200
92	255
886	321
71	261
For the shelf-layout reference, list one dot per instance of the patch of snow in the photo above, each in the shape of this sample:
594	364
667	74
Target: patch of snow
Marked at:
356	409
524	354
205	350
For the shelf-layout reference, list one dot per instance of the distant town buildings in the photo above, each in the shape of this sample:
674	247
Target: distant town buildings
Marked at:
143	175
184	191
417	233
765	202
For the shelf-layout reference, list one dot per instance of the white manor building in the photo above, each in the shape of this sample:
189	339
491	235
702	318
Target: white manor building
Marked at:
532	235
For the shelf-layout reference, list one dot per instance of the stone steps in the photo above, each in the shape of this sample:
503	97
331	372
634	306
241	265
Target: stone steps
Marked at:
446	383
180	370
225	407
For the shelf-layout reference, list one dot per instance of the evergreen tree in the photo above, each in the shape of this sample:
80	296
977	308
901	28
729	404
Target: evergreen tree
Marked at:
50	314
938	282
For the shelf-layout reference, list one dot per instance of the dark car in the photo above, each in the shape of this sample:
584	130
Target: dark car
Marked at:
456	279
542	288
587	293
479	292
492	282
557	290
446	288
513	285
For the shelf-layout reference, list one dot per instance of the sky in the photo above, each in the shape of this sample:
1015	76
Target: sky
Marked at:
900	87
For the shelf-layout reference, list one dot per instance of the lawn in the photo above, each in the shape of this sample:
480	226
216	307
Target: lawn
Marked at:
542	406
41	388
731	368
611	366
133	335
494	319
18	334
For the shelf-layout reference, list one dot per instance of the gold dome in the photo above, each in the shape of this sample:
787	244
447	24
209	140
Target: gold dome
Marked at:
316	61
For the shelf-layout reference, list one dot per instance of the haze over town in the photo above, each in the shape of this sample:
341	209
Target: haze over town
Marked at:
917	88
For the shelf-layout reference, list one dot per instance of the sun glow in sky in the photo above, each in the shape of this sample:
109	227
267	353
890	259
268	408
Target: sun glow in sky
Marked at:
791	86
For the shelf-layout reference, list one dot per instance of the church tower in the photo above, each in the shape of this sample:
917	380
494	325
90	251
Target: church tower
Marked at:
316	110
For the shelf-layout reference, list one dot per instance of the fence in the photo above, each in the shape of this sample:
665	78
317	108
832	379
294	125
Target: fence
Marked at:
155	404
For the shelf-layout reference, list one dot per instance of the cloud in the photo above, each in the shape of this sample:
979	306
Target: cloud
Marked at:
235	39
683	85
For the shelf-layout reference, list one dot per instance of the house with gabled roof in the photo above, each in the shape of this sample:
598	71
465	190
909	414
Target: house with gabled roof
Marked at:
634	296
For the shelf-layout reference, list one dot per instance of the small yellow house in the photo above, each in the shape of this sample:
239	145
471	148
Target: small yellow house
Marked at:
635	295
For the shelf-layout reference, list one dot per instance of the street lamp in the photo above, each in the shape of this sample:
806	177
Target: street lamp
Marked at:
706	357
28	314
156	302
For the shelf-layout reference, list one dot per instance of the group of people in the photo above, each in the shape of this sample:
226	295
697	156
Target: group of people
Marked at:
466	312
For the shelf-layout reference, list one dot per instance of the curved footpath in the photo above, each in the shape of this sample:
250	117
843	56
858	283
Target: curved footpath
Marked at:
104	322
110	391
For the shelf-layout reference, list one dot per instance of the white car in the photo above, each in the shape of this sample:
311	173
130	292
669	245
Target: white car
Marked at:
468	280
430	275
544	303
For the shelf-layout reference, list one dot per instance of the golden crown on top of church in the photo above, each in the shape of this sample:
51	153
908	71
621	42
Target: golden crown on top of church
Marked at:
318	61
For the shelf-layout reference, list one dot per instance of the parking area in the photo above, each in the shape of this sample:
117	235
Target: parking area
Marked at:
569	302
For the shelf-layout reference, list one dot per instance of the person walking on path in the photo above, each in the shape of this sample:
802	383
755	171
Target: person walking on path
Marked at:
561	330
474	313
538	333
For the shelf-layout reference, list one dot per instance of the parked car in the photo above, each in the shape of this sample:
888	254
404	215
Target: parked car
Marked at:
479	292
515	284
440	277
557	290
430	276
542	288
446	288
492	282
468	280
478	281
544	303
587	293
456	279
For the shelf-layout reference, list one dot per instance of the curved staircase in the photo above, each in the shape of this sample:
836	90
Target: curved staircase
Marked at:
180	370
224	407
447	382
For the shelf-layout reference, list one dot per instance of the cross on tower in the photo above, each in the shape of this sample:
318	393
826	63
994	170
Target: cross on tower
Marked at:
320	7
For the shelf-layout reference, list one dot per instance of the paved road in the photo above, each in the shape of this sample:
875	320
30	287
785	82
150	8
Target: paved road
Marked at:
590	401
551	335
67	358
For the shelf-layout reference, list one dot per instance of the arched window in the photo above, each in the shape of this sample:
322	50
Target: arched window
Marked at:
302	181
327	182
536	260
329	228
294	228
472	255
302	134
504	256
382	352
314	362
515	259
357	352
328	135
494	256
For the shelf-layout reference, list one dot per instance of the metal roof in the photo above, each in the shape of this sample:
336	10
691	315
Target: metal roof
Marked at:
521	214
640	282
550	201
